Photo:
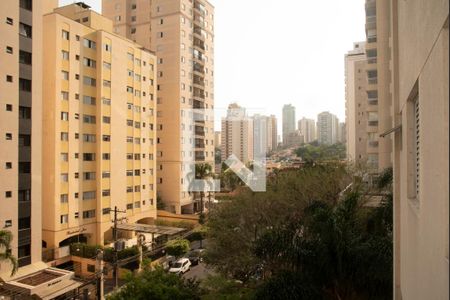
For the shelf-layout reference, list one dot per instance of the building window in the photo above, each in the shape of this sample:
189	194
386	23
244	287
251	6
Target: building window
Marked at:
89	176
24	195
107	65
64	219
65	75
106	138
89	44
88	214
106	120
25	57
64	198
26	4
65	35
88	156
89	63
89	195
9	50
130	206
64	177
8	165
89	138
24	85
64	156
89	81
88	119
106	174
24	112
106	156
89	100
64	116
64	136
106	83
65	95
106	210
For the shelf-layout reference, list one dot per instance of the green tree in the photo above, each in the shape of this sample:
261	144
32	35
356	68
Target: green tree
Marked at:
157	285
177	247
204	172
198	234
235	224
5	250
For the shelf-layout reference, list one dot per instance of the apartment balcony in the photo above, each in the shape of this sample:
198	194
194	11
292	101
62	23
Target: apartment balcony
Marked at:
199	44
373	80
198	69
199	81
199	155
371	40
200	131
198	105
372	101
372	123
199	8
199	33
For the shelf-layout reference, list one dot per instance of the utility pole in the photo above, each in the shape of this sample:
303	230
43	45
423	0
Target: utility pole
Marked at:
116	269
99	273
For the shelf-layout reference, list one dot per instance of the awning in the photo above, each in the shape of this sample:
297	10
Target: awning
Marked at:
23	271
58	290
145	228
397	128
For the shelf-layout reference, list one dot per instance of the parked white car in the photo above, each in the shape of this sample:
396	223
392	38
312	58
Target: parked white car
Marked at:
181	266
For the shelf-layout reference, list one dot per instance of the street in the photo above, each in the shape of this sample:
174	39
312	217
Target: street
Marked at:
198	272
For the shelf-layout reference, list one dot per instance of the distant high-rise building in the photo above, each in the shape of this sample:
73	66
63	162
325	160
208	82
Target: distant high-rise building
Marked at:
99	128
327	128
273	120
361	140
181	34
217	139
262	135
307	128
237	134
288	121
342	134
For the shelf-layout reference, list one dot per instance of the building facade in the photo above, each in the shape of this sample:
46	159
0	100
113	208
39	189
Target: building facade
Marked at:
99	128
237	134
327	128
21	126
288	121
419	35
294	139
273	120
307	128
181	33
262	135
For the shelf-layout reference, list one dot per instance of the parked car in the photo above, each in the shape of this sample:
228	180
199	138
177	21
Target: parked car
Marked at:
168	261
181	266
195	256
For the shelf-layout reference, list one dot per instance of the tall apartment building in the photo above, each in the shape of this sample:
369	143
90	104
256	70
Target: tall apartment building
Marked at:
181	33
378	83
237	134
217	139
99	128
361	135
21	111
262	135
273	120
307	128
419	35
342	133
288	121
327	128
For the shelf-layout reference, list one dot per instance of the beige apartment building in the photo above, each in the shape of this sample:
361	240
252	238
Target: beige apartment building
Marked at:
419	35
307	128
262	135
288	120
99	128
181	33
360	104
21	99
237	134
327	128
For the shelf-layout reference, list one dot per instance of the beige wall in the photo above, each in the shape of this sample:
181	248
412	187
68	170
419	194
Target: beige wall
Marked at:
174	52
114	102
420	31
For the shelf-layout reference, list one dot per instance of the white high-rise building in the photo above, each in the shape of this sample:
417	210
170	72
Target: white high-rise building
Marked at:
327	128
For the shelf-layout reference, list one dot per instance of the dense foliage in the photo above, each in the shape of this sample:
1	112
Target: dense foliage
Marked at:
310	240
177	247
314	152
157	285
5	250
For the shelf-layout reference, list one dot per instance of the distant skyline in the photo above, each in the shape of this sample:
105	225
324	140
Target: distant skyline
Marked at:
271	53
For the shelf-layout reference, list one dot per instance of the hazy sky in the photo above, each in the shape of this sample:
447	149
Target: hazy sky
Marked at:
269	53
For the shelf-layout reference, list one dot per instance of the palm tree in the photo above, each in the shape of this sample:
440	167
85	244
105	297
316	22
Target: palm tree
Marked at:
5	242
202	171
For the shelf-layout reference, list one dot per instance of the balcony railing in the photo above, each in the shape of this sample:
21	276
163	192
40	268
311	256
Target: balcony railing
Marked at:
372	123
372	80
373	101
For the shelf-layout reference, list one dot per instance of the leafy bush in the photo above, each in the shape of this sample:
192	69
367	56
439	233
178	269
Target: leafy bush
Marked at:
177	247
